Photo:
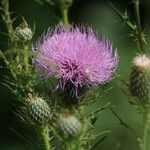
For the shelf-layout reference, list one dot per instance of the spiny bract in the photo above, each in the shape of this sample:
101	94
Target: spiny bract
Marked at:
69	125
38	110
23	33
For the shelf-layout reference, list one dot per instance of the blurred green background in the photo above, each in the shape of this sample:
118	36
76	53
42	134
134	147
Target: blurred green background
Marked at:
103	19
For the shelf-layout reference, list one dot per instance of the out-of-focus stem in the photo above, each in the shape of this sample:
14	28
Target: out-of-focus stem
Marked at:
65	6
26	58
7	16
69	145
144	139
138	24
7	20
65	17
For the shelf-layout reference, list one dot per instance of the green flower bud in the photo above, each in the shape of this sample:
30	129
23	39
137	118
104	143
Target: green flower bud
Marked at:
69	125
38	110
23	33
140	79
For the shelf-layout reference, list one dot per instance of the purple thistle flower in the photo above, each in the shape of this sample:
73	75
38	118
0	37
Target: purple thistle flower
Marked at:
75	56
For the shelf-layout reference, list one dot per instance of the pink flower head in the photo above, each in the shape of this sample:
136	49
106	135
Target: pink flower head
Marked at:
76	56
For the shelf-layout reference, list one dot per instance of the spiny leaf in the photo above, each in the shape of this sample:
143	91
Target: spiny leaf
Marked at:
124	17
99	110
121	121
4	58
5	34
101	133
14	91
96	144
21	136
93	120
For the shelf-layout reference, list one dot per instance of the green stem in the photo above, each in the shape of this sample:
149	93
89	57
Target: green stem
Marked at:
145	130
138	24
45	138
7	16
68	145
26	58
65	17
65	6
7	19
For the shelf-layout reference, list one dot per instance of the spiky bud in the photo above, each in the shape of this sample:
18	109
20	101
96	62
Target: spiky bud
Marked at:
69	125
140	79
38	110
23	33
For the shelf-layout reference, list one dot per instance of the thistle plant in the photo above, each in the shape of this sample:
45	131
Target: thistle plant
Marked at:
139	77
139	81
60	54
139	88
141	63
69	65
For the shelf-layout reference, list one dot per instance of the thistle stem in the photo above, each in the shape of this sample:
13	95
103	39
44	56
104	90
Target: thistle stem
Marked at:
7	19
145	130
7	16
69	145
65	17
138	24
26	59
65	6
45	138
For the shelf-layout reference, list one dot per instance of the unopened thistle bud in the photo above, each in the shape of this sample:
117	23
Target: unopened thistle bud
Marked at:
69	125
140	79
38	110
23	33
